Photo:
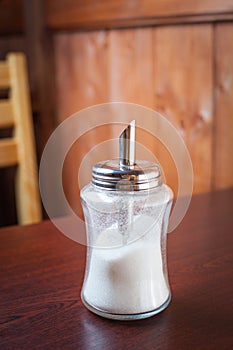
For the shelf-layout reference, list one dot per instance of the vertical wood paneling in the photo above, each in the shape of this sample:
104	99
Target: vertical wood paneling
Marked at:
130	72
223	131
130	66
170	69
40	52
183	80
81	66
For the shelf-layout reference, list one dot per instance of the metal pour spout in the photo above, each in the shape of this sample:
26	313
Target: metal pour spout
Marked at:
127	146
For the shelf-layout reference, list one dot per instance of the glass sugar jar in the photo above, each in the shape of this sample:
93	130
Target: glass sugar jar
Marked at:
126	209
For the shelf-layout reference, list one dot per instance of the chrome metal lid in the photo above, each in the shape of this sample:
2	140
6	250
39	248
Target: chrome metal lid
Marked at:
143	175
126	174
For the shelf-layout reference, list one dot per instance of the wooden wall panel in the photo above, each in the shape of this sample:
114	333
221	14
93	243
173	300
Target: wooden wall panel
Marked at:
183	81
99	14
184	71
130	72
223	131
40	51
11	16
130	66
168	68
81	64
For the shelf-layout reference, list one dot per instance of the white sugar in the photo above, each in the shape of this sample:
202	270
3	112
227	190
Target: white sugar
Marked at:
127	279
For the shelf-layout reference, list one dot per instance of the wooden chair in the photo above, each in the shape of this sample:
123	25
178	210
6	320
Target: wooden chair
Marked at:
20	149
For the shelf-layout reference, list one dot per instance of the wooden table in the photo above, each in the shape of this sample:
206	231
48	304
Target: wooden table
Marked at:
42	272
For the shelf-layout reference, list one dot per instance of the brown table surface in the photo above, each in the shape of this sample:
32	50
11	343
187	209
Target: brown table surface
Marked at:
41	273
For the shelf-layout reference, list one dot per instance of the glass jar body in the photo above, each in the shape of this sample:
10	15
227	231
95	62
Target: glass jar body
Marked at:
126	269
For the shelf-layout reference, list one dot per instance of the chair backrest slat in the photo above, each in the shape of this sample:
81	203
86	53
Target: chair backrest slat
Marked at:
4	75
6	114
8	152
